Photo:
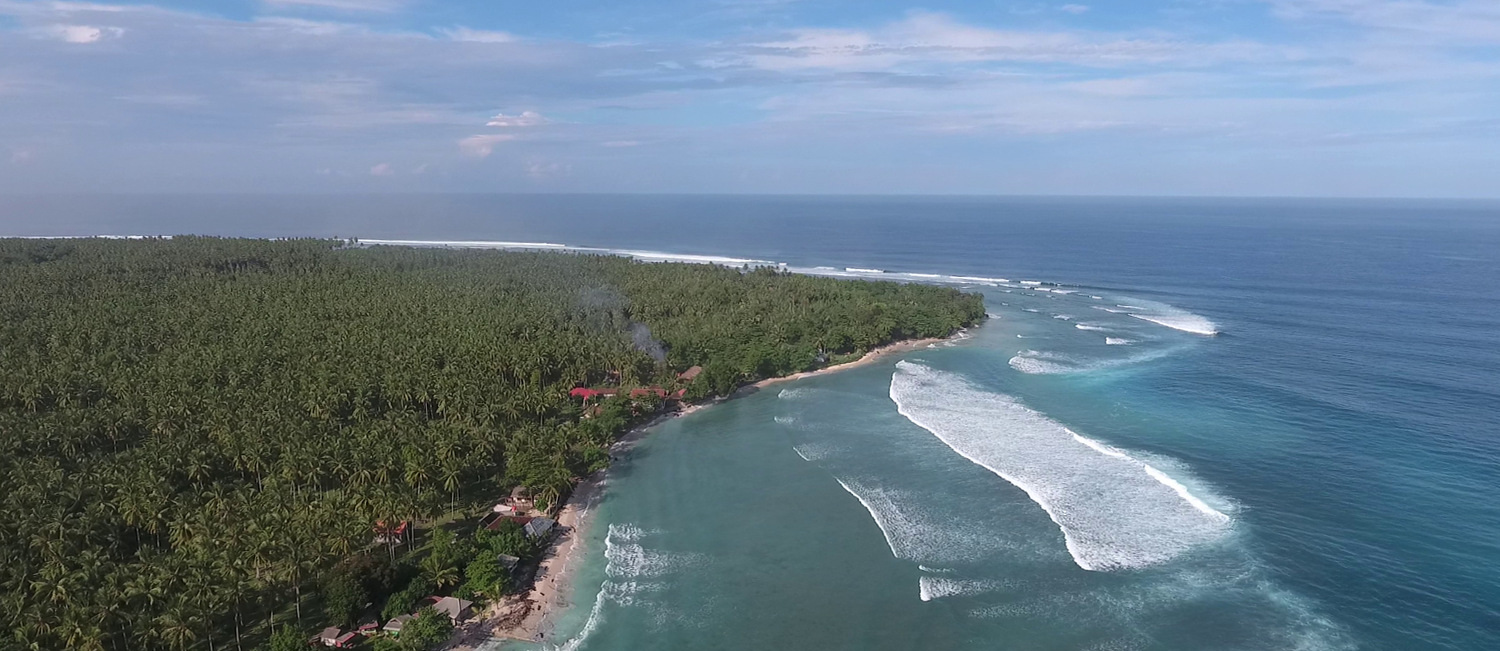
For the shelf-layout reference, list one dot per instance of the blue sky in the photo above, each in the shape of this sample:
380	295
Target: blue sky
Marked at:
1167	97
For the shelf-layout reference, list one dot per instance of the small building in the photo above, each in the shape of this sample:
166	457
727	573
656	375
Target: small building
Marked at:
539	528
345	641
456	609
368	627
330	636
518	519
590	394
504	509
508	562
690	374
520	499
641	392
397	623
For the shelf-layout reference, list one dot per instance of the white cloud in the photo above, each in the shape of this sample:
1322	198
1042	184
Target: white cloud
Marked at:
467	35
383	169
1074	9
525	119
19	156
82	33
340	5
538	171
82	7
938	40
481	146
1474	21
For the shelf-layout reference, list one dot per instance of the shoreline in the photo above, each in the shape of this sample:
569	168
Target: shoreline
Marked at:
530	616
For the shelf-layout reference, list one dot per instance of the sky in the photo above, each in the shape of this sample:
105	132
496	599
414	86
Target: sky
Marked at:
1361	98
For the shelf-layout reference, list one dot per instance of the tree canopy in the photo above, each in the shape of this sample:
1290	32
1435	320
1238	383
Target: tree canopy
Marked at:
193	430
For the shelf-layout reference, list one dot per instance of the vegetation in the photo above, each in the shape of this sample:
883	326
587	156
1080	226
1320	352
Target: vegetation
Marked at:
197	435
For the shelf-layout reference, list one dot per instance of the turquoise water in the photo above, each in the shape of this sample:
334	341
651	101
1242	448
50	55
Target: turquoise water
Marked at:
1323	473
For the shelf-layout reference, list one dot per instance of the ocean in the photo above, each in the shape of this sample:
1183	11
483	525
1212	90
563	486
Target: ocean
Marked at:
1188	424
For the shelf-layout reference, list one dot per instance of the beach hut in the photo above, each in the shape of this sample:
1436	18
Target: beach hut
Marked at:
330	636
520	499
398	622
345	641
539	528
456	609
368	627
508	562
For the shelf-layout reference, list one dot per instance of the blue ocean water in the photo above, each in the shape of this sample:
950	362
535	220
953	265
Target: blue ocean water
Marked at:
1079	473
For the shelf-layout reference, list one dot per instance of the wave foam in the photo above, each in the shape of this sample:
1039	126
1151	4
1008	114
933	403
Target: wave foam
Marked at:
1113	510
1169	316
1184	322
937	587
1118	341
1091	327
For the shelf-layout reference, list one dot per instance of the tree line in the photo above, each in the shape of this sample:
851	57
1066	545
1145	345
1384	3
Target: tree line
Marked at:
195	432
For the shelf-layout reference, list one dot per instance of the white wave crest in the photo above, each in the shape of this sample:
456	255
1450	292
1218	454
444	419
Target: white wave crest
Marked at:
912	532
1091	327
1184	322
1166	315
1118	341
1037	362
812	451
937	587
1114	512
864	271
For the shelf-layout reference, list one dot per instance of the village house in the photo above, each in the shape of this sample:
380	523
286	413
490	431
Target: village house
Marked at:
456	609
520	499
539	528
368	627
690	374
397	623
335	637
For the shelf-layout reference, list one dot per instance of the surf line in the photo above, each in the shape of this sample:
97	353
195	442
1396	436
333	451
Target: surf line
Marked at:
1114	510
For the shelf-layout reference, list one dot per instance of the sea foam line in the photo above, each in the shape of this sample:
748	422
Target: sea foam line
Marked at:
1114	512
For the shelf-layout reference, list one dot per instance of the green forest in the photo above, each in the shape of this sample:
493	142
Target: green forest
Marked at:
197	435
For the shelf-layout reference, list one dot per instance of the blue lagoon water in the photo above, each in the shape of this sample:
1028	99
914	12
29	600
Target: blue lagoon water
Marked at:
1189	424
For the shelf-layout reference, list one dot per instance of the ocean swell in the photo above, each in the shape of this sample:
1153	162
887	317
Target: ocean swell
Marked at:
1115	511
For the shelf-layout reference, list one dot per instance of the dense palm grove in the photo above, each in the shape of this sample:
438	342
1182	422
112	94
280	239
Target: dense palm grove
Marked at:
195	432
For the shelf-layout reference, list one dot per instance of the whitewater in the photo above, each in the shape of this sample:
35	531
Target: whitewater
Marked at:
1115	511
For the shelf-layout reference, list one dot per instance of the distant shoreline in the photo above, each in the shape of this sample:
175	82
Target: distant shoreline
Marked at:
551	592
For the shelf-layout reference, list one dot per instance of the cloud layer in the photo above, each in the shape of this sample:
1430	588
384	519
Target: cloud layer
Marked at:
1327	97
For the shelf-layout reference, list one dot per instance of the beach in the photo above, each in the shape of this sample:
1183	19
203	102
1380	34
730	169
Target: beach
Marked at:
530	616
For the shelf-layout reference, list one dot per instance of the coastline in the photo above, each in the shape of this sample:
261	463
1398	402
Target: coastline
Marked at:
530	616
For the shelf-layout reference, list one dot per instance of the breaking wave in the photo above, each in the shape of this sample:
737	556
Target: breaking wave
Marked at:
628	566
1172	317
937	587
1118	341
1036	362
1115	511
1091	327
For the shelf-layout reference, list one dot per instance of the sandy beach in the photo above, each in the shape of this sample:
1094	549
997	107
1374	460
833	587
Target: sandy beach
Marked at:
531	616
